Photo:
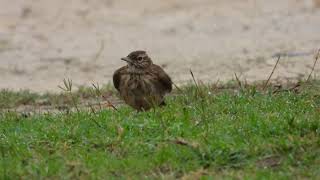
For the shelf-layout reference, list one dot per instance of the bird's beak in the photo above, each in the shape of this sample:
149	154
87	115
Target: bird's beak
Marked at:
126	59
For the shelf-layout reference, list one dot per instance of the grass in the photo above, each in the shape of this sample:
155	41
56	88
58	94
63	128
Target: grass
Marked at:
12	99
204	131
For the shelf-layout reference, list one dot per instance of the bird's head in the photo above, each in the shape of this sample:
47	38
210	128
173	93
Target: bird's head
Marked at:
138	60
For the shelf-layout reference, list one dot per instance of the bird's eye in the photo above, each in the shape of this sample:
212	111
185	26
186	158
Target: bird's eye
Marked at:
140	58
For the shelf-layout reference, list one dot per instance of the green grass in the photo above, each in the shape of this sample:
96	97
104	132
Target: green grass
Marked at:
246	134
12	99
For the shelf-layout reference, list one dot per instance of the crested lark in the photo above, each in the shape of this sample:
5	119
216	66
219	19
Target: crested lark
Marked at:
141	83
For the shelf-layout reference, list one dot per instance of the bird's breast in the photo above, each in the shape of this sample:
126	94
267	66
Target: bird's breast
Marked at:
139	84
140	90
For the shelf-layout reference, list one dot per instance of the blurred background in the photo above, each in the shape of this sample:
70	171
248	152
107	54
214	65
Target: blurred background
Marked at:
44	41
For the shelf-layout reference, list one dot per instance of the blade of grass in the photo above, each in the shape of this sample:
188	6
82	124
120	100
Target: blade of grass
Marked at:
274	68
314	65
177	87
194	79
98	54
238	80
99	94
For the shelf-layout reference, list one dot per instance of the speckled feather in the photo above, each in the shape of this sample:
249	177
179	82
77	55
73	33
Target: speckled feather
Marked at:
143	88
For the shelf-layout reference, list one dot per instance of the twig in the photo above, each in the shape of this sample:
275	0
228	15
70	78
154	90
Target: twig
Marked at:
293	88
96	122
94	112
246	83
98	92
110	104
183	142
215	85
275	66
314	65
176	86
238	80
92	108
194	80
68	88
98	54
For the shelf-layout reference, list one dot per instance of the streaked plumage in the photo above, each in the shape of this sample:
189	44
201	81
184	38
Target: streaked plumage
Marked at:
142	84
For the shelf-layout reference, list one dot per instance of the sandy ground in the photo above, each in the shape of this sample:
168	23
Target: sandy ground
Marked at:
44	41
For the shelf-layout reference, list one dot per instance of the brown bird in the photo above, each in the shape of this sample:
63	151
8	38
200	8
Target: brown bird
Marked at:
142	84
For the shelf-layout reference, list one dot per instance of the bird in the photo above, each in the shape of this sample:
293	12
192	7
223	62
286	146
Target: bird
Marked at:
142	84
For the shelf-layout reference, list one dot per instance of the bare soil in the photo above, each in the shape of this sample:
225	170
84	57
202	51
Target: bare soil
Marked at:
42	42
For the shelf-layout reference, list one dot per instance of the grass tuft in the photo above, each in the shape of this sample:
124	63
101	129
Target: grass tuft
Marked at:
220	131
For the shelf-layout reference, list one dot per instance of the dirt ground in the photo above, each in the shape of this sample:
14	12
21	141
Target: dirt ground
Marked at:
44	41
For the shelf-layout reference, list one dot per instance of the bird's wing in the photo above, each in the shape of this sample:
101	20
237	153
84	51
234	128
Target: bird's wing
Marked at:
163	77
117	76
